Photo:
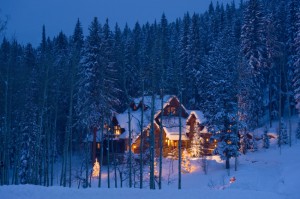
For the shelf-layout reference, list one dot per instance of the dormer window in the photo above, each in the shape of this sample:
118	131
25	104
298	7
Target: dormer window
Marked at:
171	110
117	130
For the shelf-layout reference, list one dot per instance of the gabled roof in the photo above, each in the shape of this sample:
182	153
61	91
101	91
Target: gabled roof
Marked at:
170	124
171	128
198	114
136	115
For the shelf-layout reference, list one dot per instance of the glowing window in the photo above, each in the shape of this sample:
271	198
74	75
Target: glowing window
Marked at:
117	130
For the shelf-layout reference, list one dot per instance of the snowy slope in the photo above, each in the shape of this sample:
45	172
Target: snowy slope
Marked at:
267	173
263	174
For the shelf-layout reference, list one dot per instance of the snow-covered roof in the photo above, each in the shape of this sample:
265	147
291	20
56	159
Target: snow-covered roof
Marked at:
176	137
171	127
170	123
198	114
136	115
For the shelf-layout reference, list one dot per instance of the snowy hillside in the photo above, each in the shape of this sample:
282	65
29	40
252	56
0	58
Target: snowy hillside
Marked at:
262	174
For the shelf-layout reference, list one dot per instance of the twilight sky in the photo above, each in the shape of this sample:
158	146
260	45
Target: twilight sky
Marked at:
26	17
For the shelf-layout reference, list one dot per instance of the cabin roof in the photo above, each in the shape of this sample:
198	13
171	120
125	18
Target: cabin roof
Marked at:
136	115
170	123
198	114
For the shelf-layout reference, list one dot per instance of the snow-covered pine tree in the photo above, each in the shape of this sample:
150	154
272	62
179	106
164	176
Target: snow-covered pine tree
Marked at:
110	90
185	162
88	83
4	86
29	124
90	80
275	45
282	133
75	52
228	145
184	55
59	84
298	131
194	66
173	69
252	66
131	167
296	80
195	146
96	169
266	140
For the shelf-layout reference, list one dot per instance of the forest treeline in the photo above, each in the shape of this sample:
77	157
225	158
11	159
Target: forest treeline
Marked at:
239	64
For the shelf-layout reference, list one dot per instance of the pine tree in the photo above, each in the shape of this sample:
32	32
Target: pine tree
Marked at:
186	163
96	169
194	66
282	133
195	145
184	55
266	140
5	84
227	143
296	80
29	119
298	131
252	65
88	74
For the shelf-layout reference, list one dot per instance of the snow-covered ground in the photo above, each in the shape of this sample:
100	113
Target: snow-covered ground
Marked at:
266	173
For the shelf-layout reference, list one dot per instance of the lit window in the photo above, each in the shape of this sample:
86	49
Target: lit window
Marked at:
98	145
117	130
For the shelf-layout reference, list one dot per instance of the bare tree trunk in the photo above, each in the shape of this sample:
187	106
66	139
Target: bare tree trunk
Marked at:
142	139
37	158
87	164
161	138
101	152
280	107
129	143
179	141
270	102
289	106
53	143
114	161
108	160
70	122
152	144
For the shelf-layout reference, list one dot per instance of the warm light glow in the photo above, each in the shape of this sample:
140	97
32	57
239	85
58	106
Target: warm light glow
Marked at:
98	145
185	162
215	140
96	169
134	146
229	142
117	130
207	139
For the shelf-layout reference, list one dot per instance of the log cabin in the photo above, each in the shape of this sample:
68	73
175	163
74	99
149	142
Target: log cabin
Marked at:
192	121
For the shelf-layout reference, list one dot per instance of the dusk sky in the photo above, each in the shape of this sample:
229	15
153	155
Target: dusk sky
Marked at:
26	17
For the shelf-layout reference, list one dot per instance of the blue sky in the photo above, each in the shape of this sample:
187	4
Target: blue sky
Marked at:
26	17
